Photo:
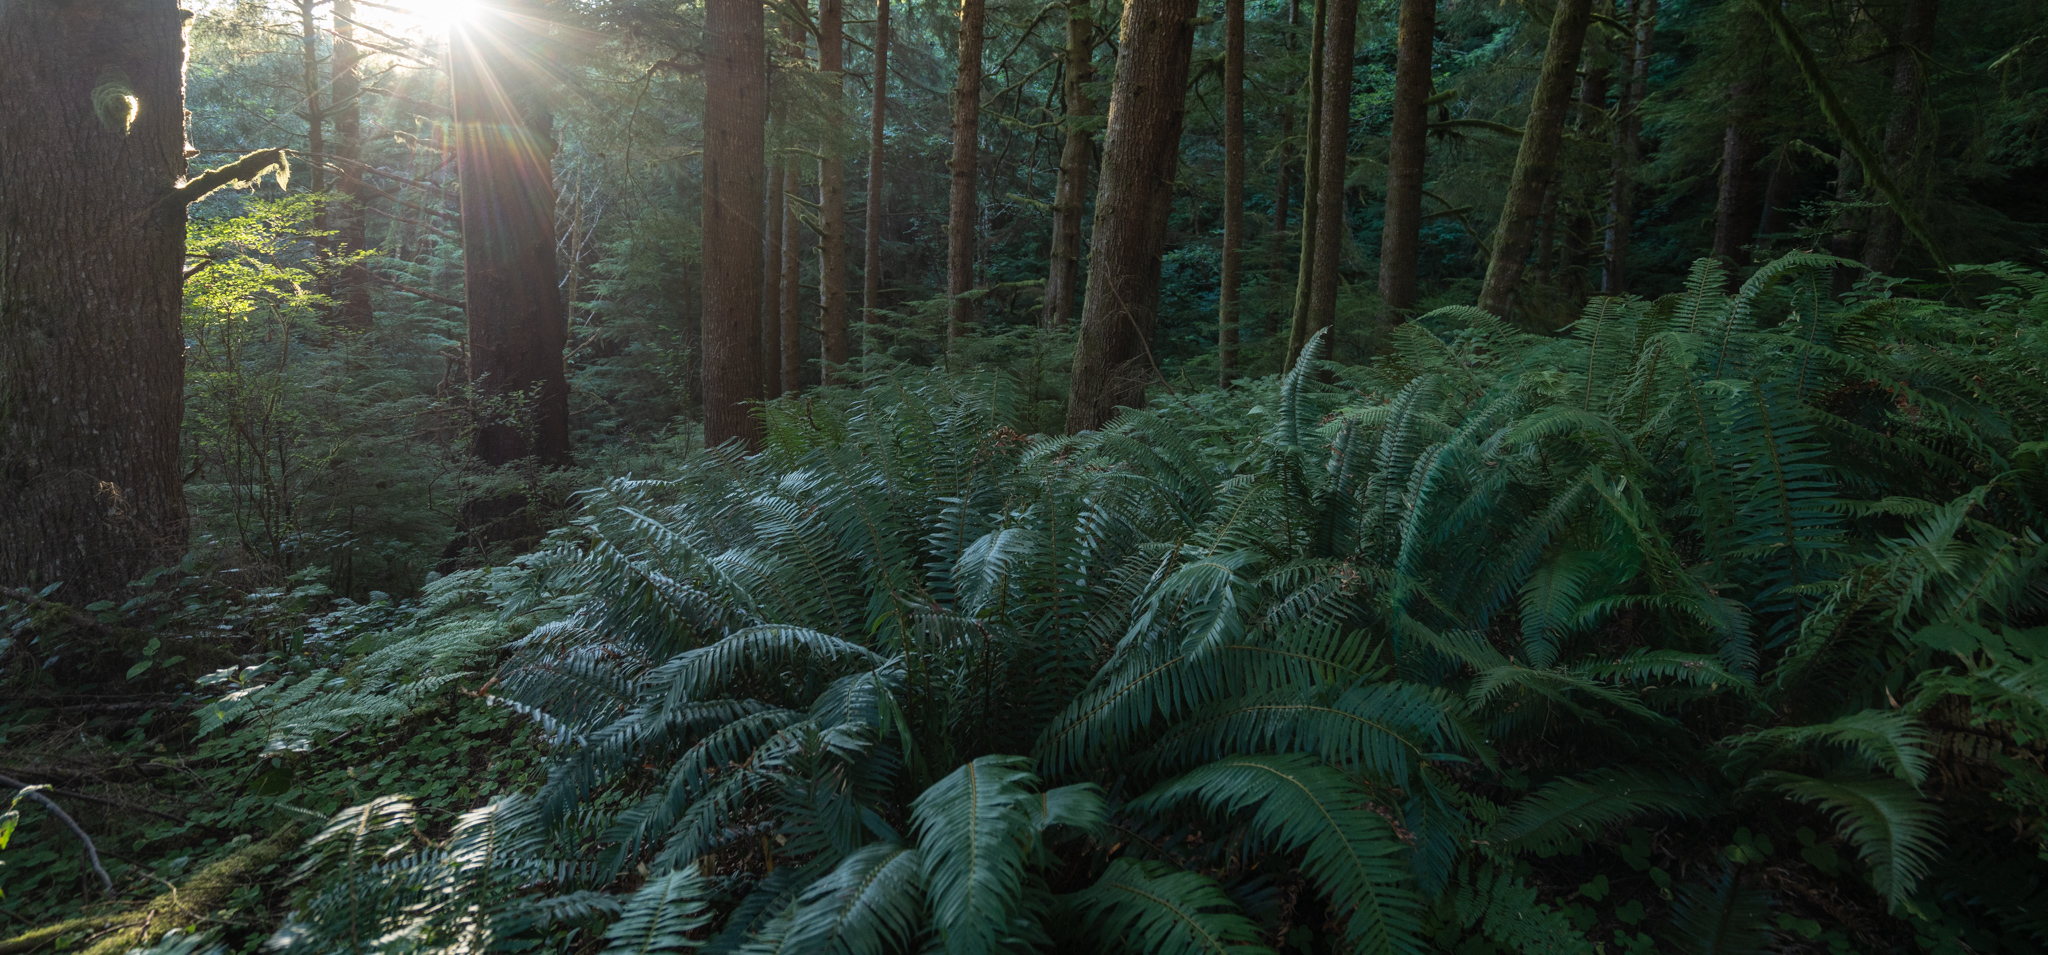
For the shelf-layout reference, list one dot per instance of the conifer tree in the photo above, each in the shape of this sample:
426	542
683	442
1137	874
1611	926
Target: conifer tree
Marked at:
1536	161
735	117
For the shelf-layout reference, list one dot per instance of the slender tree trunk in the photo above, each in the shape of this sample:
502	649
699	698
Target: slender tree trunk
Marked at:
960	220
832	194
91	244
771	280
309	108
1572	280
735	115
1065	265
1887	236
1741	192
1629	135
1333	226
504	147
1842	244
1140	154
1400	241
871	273
792	286
1778	191
351	234
1281	186
1536	163
1233	189
1311	167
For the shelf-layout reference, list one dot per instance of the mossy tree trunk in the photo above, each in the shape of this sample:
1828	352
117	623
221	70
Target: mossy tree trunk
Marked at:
1408	150
1312	147
961	206
1233	190
1064	272
1887	236
1332	164
92	236
1628	152
1140	154
1536	162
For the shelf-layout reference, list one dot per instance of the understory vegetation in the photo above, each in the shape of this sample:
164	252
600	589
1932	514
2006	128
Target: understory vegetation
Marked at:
1717	623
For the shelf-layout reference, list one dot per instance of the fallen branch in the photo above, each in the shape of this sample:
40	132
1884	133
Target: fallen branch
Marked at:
92	852
423	293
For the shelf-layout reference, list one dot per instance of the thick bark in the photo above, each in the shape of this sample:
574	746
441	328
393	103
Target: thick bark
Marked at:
1311	165
1400	241
966	155
310	85
1333	226
832	194
791	375
1629	138
1887	236
1140	153
351	236
1741	193
771	282
735	114
1233	190
92	237
1536	162
1064	272
871	273
504	149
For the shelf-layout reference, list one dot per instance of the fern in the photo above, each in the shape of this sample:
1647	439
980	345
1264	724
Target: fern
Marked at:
1151	907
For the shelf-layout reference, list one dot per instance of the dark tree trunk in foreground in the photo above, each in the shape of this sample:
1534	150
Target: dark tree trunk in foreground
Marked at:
1400	241
504	148
1140	153
352	288
832	195
1536	163
1233	189
92	238
960	219
871	277
1887	236
1065	267
735	114
1740	202
1332	163
1629	136
1311	164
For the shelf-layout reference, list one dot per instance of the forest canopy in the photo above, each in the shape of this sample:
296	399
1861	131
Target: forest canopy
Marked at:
622	477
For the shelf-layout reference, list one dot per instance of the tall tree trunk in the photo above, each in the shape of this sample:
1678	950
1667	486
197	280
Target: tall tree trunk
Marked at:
1842	243
735	116
960	219
1401	239
1741	192
92	236
1536	162
1779	187
832	194
1629	135
1281	187
771	279
1065	259
504	149
1233	189
871	273
1140	154
1573	282
309	107
792	287
351	235
1311	166
1887	235
1332	164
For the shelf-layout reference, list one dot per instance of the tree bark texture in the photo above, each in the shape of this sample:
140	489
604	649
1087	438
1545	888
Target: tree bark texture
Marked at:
309	108
878	112
960	219
771	281
1064	272
91	247
735	116
1233	190
504	149
1887	236
791	336
1281	186
832	194
1407	153
1629	139
1311	164
1140	154
1536	162
1740	201
1332	165
351	235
